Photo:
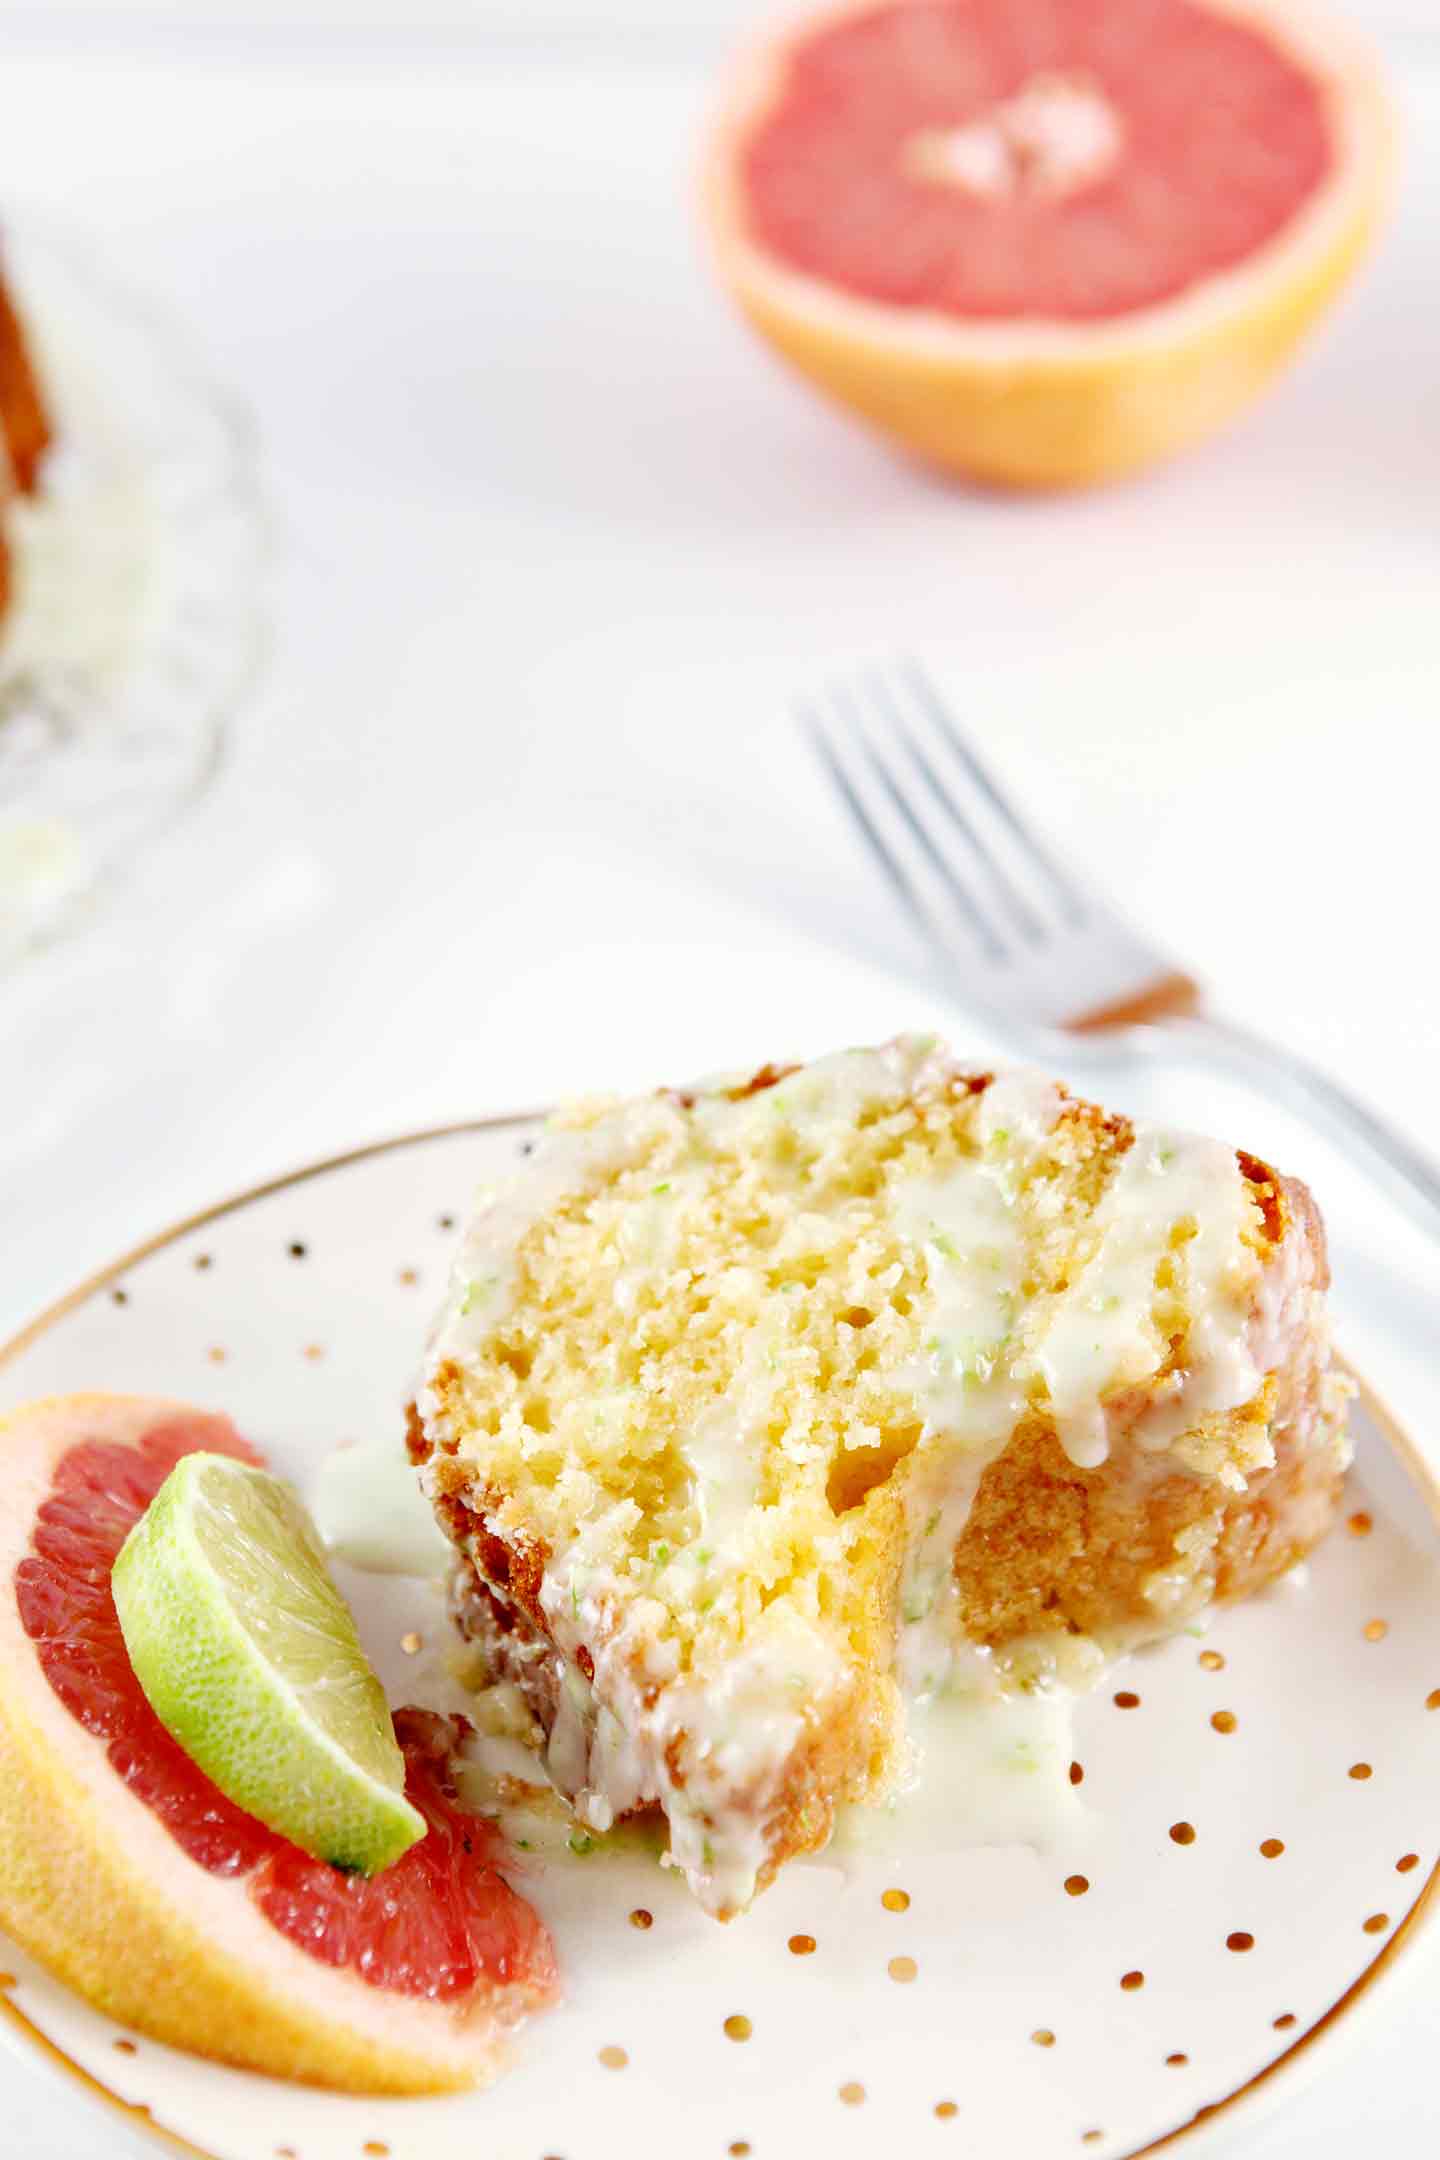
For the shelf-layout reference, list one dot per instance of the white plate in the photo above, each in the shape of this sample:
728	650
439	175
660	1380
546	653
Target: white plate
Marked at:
1018	2025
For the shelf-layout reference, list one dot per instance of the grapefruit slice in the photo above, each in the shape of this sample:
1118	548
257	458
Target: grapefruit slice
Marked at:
135	1880
1044	242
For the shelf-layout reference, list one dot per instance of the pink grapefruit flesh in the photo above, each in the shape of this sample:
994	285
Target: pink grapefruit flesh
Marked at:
1203	137
441	1927
1041	241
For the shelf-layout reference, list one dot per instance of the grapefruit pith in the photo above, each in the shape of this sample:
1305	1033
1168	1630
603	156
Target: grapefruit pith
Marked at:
133	1878
1044	242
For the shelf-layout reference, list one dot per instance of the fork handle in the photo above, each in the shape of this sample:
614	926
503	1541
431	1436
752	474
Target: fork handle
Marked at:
1410	1175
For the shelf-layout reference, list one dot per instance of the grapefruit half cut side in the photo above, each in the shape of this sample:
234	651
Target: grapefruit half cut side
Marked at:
1042	243
132	1877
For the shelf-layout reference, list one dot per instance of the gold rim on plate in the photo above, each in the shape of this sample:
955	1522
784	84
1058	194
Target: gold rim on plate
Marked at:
138	2115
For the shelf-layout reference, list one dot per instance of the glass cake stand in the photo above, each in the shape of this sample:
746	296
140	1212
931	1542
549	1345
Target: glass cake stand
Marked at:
134	627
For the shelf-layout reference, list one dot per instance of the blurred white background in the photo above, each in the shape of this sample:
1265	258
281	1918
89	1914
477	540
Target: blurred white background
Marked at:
518	807
671	20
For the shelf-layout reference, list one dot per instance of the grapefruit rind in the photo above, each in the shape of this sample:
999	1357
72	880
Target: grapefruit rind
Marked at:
278	1706
1045	405
94	1887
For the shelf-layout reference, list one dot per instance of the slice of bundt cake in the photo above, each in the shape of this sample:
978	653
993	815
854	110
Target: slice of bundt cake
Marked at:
755	1405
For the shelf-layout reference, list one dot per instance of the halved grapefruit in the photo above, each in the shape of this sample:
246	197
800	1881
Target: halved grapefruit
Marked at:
134	1879
1043	242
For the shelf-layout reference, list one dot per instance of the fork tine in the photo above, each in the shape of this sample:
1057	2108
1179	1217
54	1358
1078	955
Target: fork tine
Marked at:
889	862
1024	914
928	698
959	892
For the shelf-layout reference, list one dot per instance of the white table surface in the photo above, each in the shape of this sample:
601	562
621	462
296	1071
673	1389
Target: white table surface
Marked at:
518	808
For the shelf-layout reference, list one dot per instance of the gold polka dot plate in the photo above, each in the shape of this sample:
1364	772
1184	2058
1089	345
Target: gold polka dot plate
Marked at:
1225	1847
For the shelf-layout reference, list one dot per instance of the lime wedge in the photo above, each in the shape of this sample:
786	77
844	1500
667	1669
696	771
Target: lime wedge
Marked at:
249	1657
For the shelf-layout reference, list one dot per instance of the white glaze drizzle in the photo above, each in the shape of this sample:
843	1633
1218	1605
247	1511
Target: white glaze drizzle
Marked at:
610	1747
985	1769
968	1229
1174	1194
369	1508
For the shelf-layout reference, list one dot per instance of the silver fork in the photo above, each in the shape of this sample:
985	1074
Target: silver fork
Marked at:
1032	944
